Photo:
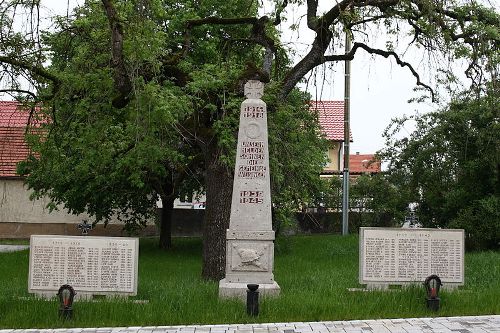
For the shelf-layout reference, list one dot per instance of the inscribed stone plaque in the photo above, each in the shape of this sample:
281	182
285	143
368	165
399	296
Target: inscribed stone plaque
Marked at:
91	265
398	256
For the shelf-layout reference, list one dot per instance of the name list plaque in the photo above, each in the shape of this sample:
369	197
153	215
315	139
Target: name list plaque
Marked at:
401	256
91	265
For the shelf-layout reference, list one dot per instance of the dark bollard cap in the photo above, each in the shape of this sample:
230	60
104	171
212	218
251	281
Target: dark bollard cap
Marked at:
252	287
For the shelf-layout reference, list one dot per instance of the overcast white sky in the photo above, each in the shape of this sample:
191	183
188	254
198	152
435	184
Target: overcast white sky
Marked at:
380	89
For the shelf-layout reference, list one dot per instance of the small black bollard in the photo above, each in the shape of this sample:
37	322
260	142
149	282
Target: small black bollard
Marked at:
252	300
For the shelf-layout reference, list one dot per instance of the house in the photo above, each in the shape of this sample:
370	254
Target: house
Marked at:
364	164
21	217
331	120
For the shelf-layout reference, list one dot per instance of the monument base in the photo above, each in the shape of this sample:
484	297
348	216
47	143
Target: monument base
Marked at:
239	289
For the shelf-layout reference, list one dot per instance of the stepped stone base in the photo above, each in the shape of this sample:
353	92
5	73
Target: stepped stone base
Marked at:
239	289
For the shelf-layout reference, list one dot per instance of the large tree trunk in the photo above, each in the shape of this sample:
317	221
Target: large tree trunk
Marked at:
166	222
219	187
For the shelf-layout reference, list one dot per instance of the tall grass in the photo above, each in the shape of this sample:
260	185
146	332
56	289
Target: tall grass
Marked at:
314	273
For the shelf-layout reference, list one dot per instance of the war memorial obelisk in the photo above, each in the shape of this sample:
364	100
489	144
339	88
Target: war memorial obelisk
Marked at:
250	237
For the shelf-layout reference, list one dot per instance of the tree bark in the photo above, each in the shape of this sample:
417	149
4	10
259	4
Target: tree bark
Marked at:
166	222
219	188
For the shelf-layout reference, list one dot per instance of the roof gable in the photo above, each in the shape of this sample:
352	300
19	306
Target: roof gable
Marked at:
364	163
12	115
331	119
13	147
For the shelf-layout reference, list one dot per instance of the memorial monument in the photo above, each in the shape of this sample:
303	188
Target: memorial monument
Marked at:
250	238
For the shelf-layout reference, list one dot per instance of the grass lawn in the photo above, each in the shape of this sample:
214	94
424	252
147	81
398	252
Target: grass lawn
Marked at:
314	273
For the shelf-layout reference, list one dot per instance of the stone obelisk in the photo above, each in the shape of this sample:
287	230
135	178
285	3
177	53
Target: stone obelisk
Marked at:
250	237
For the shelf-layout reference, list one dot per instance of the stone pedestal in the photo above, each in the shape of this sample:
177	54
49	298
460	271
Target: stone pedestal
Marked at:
250	238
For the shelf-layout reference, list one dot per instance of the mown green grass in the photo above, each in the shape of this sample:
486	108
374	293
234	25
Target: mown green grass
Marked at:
314	273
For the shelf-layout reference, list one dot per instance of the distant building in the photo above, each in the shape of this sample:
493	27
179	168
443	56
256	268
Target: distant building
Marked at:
13	147
331	120
21	217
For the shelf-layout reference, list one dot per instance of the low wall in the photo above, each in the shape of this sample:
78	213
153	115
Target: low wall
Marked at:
21	218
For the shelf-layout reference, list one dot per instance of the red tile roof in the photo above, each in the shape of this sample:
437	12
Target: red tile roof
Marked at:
362	163
331	119
13	148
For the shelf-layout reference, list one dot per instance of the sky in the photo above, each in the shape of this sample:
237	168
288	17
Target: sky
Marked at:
380	89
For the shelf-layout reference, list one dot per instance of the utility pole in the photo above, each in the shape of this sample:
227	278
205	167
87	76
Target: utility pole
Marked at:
347	93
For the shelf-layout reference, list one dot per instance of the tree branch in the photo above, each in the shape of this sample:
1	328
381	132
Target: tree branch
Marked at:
258	34
312	9
122	82
19	91
37	70
221	21
279	10
385	54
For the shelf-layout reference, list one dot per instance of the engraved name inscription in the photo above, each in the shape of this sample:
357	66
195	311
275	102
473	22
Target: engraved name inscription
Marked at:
395	255
90	264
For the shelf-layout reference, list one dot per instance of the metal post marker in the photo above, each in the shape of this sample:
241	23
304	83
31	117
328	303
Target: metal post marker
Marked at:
347	138
252	300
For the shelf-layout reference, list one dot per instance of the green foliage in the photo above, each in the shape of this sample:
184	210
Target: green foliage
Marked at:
450	167
296	156
377	195
91	157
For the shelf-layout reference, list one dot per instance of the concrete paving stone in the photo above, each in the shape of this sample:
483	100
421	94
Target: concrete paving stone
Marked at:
287	329
318	324
345	323
242	330
453	325
260	330
302	325
245	327
379	329
217	330
336	330
321	330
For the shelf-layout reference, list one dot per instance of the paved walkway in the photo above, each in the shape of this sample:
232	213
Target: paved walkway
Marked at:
472	324
13	248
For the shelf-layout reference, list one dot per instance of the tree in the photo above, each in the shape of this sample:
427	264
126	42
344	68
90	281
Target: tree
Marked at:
112	59
451	165
379	198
